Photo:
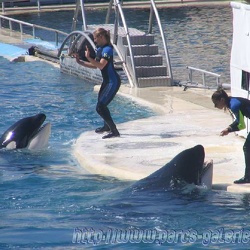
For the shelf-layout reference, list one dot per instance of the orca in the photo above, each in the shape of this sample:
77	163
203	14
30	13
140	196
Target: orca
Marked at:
27	133
188	167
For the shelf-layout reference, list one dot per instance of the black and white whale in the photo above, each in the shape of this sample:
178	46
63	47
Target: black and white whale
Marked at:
186	167
27	133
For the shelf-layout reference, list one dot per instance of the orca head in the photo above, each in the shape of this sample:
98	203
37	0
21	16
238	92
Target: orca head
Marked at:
187	167
23	132
196	170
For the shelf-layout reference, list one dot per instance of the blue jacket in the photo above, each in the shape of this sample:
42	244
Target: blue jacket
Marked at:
240	108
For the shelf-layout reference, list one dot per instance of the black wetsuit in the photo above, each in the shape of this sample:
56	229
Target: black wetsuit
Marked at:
110	85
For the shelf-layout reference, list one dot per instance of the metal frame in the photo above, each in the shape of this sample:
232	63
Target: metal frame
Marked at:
78	34
191	84
120	15
154	9
33	26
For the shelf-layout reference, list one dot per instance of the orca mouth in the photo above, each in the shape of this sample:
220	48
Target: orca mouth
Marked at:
206	174
206	166
40	138
38	130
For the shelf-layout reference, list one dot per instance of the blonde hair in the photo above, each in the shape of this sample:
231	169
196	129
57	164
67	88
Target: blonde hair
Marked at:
103	32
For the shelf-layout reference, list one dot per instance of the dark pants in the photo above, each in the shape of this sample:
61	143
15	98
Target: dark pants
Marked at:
246	150
105	96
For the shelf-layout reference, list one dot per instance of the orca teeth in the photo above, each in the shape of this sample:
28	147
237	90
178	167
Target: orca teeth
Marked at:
206	166
38	130
41	128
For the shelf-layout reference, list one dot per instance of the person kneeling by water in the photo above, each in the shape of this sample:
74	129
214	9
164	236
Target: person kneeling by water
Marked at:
238	107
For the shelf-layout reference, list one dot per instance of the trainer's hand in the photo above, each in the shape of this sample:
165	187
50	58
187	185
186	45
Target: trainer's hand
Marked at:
76	56
224	132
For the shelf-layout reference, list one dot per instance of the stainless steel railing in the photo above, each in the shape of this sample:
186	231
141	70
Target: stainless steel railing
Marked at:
119	10
203	73
76	35
4	8
34	28
154	10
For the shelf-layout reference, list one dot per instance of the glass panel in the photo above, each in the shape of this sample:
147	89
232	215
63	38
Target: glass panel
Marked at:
245	80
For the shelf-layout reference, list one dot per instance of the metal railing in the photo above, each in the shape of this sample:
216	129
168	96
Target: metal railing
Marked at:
77	35
34	28
13	1
119	12
154	10
204	73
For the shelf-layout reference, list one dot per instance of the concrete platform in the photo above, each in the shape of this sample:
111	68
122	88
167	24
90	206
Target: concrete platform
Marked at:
184	119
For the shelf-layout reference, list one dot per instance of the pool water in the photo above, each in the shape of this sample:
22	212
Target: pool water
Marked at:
49	202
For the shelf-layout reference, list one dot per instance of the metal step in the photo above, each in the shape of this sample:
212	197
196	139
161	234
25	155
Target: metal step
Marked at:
145	49
151	71
154	81
139	39
147	60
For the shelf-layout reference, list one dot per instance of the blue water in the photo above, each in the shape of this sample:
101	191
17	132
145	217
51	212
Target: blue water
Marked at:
47	201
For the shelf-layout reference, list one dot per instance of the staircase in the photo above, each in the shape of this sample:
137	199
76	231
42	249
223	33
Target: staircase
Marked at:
149	64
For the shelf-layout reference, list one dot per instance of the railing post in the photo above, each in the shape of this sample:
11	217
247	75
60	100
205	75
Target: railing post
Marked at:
84	25
204	79
56	38
109	11
10	25
38	5
3	9
115	37
190	75
34	32
218	81
150	23
21	31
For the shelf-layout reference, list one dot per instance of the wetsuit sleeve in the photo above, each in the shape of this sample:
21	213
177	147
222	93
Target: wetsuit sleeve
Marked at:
107	53
238	123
